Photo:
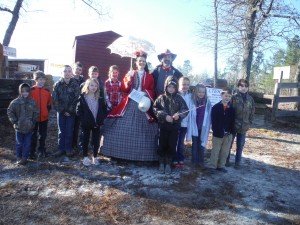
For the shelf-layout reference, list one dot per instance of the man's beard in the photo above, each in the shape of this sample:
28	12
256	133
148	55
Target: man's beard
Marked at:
167	62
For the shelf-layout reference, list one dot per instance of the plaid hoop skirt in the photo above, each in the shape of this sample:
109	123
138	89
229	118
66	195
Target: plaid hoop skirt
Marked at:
131	137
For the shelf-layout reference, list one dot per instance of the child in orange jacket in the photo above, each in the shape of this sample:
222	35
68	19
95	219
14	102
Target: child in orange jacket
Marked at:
42	97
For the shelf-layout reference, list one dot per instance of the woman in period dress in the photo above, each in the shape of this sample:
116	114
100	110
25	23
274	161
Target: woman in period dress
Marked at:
130	133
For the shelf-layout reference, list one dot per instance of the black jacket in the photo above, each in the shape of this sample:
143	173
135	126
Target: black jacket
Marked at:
85	115
222	121
176	73
167	104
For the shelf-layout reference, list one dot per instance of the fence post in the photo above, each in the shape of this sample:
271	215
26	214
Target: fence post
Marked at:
275	99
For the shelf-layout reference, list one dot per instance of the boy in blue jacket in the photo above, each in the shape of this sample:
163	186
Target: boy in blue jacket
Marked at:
222	120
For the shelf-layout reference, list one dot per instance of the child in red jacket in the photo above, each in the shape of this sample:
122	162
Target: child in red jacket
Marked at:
42	97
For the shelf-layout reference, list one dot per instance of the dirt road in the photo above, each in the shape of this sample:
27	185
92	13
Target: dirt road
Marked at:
266	190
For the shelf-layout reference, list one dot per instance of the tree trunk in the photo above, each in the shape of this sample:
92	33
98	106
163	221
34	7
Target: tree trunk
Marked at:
216	43
297	79
12	25
10	30
249	41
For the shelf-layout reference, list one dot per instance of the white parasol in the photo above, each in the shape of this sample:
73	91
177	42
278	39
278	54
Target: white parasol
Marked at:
126	46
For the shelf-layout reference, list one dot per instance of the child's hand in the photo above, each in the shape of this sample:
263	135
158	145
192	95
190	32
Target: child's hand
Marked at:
67	114
169	119
176	116
130	72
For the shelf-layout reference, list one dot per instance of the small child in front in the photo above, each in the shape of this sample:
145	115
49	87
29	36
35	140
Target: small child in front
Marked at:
23	114
169	108
198	125
91	110
222	119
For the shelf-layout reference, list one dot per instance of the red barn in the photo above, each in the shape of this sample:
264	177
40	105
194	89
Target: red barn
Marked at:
91	50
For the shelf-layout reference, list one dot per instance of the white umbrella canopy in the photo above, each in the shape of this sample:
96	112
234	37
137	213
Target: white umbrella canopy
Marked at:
126	46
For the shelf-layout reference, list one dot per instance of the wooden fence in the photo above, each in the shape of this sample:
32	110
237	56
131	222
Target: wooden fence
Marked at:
284	99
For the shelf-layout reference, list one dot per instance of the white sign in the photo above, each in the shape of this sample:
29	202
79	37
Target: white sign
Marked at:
214	95
8	51
22	67
285	70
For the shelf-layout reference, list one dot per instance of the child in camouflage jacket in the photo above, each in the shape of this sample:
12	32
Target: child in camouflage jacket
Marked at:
23	114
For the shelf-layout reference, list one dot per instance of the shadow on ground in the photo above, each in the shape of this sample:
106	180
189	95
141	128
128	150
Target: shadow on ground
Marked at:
62	191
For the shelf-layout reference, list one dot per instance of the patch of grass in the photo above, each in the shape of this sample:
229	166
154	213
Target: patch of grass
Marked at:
269	133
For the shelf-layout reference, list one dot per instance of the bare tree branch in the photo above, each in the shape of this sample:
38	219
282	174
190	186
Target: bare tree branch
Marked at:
30	11
282	16
296	22
6	9
89	4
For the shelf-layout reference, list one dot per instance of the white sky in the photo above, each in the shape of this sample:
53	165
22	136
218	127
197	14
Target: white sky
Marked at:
49	34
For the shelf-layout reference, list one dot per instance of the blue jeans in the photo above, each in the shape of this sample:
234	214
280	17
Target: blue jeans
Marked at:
65	132
240	142
23	142
197	150
180	145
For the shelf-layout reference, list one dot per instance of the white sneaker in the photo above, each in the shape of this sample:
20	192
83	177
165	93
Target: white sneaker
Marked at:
86	161
95	161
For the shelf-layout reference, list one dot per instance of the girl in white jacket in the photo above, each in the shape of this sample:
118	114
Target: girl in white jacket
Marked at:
183	89
199	124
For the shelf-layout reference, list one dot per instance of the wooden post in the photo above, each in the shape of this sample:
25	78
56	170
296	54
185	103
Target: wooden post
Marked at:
2	64
276	95
297	91
6	67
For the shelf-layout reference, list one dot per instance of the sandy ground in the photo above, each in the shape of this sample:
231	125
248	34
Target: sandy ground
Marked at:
266	190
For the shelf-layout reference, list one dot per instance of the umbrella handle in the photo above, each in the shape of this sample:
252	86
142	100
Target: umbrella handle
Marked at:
131	57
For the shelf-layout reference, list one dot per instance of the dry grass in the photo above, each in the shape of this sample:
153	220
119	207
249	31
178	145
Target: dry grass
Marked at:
54	192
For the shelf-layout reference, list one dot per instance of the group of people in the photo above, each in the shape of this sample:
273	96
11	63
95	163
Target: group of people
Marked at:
145	117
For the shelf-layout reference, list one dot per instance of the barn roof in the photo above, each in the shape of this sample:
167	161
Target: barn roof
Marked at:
91	49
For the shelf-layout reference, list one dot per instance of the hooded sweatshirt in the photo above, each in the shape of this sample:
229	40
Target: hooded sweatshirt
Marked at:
23	112
169	104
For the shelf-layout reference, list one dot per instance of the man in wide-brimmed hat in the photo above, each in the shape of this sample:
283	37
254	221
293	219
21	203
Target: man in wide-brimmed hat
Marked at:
162	71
